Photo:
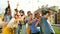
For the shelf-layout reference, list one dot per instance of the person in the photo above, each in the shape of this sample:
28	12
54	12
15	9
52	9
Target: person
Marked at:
7	15
16	24
11	27
16	30
7	18
22	23
27	25
38	17
45	26
33	24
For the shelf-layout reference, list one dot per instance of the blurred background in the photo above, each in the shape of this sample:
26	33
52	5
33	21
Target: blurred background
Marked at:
35	6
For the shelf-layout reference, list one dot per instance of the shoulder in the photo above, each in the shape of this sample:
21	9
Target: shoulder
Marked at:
13	19
24	16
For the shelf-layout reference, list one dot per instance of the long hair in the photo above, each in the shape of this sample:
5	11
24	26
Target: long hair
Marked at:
7	10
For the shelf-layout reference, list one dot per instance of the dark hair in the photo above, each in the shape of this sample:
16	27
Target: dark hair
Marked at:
16	15
36	14
7	10
45	12
21	11
28	12
16	10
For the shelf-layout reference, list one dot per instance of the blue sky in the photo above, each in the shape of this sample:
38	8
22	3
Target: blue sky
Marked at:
27	5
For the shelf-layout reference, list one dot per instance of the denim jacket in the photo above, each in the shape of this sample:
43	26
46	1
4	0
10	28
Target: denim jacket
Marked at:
45	27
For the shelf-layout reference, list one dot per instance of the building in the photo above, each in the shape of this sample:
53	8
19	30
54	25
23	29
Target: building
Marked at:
52	17
58	17
55	17
55	8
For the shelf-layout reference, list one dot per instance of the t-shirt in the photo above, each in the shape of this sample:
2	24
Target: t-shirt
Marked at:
7	18
45	27
12	24
33	28
21	18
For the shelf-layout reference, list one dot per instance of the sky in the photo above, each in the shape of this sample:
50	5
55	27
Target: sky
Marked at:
27	5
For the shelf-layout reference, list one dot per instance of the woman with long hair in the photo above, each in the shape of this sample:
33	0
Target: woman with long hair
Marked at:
7	18
7	15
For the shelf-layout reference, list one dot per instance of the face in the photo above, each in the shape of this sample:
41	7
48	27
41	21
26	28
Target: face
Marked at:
16	16
8	11
38	15
21	14
31	16
28	14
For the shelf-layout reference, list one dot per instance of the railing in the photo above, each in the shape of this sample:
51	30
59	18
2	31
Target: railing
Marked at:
56	25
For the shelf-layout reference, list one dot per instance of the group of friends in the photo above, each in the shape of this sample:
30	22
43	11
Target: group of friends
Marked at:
30	24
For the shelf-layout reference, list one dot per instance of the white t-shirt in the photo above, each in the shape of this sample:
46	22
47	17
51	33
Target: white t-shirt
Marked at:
12	24
22	18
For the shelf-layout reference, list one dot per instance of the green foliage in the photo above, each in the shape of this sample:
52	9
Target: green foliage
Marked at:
57	30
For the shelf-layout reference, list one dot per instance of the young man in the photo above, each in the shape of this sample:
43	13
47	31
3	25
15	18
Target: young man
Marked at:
45	27
27	25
